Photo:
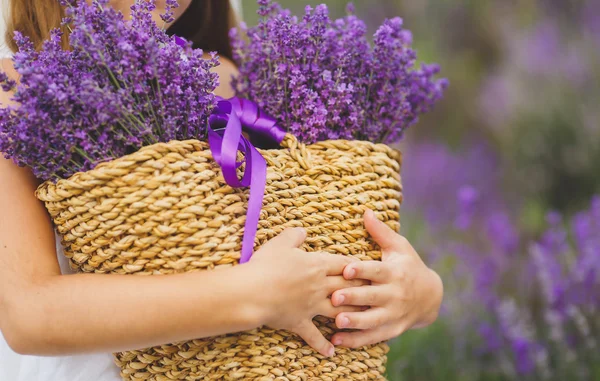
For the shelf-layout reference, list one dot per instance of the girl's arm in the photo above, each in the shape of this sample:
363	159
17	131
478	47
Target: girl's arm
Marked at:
46	313
43	312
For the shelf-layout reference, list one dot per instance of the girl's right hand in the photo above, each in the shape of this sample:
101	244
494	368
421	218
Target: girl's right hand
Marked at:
296	286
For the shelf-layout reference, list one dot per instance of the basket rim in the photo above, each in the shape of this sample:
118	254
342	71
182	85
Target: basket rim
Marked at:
136	156
176	145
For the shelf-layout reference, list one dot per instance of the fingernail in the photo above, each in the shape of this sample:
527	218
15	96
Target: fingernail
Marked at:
331	352
336	341
373	216
351	273
344	322
340	299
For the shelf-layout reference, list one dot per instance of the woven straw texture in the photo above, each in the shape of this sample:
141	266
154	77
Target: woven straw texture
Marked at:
166	209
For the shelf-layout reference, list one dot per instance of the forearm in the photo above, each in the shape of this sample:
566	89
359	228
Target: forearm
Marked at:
92	312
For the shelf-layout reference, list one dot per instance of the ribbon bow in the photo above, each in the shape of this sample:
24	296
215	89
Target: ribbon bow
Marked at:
226	124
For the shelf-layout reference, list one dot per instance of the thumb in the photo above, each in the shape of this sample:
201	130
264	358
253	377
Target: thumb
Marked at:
289	239
386	238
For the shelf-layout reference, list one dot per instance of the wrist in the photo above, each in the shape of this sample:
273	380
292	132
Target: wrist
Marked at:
254	298
437	295
434	293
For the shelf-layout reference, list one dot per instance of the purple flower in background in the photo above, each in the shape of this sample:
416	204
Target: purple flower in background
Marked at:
467	201
522	350
552	297
492	340
323	80
434	176
527	298
502	232
586	270
591	20
543	49
499	100
121	85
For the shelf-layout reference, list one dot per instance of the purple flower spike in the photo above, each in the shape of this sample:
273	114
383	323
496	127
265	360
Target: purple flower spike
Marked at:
122	84
323	80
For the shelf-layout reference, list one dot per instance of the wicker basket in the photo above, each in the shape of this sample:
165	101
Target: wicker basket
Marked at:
166	209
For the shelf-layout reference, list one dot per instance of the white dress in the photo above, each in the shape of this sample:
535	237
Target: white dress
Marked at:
15	367
97	367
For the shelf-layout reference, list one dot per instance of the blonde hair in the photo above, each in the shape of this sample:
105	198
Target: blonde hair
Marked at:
206	23
33	18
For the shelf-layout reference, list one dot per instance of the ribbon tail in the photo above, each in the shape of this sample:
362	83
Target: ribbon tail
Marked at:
258	184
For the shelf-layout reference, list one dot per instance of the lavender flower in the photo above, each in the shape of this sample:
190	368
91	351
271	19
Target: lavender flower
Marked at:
551	305
168	16
121	85
448	187
518	304
323	80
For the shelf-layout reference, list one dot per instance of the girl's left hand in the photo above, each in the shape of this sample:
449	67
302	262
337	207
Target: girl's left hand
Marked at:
404	293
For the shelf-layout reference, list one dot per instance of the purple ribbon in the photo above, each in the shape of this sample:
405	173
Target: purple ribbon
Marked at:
226	124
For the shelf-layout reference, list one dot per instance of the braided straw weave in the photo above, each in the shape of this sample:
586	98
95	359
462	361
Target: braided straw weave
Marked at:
166	209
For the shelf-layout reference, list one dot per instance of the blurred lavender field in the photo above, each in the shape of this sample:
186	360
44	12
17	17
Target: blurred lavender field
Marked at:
501	185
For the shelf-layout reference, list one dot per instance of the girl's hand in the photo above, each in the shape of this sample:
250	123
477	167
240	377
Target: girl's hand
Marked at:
404	293
297	286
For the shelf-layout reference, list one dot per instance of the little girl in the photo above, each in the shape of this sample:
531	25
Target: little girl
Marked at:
116	313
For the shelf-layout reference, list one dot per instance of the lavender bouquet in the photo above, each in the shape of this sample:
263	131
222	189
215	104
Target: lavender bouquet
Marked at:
322	79
122	85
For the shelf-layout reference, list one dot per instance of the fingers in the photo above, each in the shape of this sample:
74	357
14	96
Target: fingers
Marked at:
369	319
385	237
330	311
313	337
359	339
373	296
334	264
375	271
289	238
338	282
